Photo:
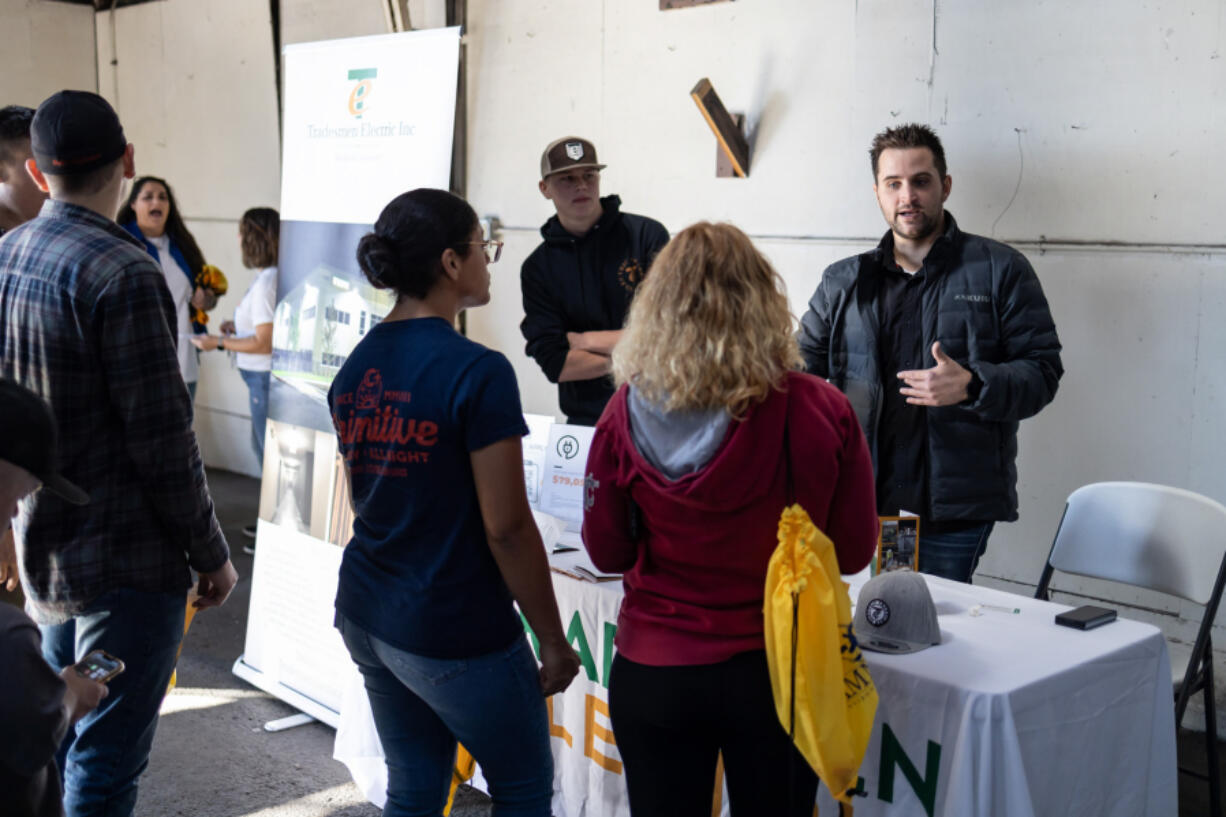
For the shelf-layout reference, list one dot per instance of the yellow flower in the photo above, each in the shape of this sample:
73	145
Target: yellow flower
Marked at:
213	279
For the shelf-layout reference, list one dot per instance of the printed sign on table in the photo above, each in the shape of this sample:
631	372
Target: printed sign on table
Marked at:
565	465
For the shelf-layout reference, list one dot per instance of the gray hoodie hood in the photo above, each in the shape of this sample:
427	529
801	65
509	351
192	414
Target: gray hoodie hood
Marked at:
676	443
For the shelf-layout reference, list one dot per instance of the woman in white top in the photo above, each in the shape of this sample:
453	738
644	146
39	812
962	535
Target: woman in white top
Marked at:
249	335
151	214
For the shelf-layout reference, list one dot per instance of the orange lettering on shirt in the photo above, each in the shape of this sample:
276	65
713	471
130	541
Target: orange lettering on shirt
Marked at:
384	426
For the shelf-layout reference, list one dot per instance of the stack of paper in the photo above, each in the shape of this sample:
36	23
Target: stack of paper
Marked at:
578	565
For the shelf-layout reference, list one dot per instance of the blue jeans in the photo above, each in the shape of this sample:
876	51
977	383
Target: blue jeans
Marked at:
491	703
102	758
953	555
257	400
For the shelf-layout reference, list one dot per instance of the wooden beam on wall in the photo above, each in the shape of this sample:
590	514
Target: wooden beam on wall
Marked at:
457	15
727	132
396	12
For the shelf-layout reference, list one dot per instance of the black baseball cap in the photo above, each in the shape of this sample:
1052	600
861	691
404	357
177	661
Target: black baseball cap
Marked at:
29	439
74	132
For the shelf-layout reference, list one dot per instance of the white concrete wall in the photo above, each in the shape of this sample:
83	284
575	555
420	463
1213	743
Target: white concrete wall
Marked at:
1065	125
304	21
47	47
1082	132
194	87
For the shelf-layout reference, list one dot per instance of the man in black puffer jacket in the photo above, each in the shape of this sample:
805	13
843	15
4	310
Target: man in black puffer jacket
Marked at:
579	282
943	342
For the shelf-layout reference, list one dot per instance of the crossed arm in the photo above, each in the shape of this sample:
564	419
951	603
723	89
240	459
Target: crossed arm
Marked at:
590	354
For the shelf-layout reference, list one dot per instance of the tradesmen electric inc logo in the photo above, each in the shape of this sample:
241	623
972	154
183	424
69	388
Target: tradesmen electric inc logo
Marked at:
359	97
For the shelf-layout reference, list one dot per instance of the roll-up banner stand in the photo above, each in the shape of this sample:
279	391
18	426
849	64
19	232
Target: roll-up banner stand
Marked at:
366	119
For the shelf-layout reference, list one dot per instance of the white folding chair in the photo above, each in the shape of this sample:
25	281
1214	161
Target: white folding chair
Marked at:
1160	538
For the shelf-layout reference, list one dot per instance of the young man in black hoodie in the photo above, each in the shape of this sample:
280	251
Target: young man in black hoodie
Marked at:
579	282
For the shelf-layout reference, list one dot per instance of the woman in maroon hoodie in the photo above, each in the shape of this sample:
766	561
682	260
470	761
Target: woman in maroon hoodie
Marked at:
687	476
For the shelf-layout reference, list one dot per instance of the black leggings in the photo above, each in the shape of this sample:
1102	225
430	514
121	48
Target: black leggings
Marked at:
672	722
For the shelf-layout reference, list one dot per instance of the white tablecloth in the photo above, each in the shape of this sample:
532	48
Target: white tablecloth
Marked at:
1010	716
1019	717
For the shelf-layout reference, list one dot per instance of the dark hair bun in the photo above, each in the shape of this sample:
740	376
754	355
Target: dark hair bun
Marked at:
405	250
377	260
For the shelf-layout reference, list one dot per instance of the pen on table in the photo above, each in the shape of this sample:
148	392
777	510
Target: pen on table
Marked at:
1000	608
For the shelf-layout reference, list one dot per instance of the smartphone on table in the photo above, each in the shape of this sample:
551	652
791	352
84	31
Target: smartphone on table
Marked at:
99	666
1086	617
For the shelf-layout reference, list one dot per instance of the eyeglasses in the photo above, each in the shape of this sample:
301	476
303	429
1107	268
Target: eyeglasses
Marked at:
492	249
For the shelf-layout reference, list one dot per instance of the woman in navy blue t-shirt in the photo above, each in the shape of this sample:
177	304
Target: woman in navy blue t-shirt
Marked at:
429	424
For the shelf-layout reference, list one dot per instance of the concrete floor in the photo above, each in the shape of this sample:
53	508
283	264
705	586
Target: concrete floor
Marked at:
212	757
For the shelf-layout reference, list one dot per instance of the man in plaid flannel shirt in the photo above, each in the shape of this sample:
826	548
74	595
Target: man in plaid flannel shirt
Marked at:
87	323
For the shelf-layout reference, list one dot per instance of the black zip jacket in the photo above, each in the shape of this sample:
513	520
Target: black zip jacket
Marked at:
987	309
584	284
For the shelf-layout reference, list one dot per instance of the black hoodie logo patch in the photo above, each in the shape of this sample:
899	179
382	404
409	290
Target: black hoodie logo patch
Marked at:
630	274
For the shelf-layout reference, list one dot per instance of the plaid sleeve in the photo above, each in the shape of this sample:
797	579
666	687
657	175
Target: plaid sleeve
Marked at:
135	317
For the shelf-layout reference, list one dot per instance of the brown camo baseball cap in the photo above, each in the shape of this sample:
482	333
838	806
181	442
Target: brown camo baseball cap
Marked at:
568	153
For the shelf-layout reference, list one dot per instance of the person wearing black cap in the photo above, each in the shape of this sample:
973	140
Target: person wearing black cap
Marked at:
89	327
578	284
36	705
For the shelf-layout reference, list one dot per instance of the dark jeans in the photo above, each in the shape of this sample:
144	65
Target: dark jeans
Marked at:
953	555
672	722
102	759
490	703
257	401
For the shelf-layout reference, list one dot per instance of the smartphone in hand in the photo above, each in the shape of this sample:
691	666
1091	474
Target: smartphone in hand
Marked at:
99	666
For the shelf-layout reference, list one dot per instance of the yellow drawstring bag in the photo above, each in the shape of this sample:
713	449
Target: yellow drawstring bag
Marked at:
465	765
823	694
187	622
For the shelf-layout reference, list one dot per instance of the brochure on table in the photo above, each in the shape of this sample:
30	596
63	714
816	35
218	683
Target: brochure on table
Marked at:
557	454
565	464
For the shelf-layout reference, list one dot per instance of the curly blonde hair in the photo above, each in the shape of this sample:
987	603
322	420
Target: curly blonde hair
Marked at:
709	327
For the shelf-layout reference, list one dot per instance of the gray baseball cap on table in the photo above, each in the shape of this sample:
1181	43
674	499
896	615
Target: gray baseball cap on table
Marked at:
895	613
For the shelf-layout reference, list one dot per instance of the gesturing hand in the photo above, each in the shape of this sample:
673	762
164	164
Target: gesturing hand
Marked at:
942	385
